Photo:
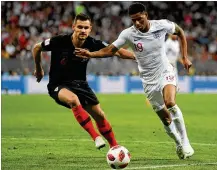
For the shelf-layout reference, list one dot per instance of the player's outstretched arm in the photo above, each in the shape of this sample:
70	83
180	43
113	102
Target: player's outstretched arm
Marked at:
108	51
125	54
186	62
36	52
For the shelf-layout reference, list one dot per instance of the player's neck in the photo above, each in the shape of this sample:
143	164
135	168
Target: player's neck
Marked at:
76	42
146	28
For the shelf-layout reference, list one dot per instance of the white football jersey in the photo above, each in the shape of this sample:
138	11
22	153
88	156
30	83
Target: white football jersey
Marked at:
149	48
172	51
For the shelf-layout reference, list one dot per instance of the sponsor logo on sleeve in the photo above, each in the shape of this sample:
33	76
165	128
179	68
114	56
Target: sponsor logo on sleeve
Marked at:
47	42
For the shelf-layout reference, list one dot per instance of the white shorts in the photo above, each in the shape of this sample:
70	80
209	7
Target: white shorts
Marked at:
154	92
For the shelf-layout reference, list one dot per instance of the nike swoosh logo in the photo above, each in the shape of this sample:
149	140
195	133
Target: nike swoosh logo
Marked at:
137	39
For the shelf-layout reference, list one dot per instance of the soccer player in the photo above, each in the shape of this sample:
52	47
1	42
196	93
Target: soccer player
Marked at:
147	39
67	77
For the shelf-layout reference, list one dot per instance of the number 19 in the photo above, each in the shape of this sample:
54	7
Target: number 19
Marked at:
138	47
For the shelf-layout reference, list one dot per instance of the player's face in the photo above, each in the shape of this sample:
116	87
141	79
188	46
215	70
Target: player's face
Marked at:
82	29
140	20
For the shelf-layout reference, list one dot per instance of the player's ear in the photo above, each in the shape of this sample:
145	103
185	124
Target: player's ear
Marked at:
146	14
74	24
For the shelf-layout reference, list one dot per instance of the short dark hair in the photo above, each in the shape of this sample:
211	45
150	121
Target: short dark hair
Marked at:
136	8
82	17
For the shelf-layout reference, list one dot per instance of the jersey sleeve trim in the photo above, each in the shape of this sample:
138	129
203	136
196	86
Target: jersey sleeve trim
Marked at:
122	39
174	27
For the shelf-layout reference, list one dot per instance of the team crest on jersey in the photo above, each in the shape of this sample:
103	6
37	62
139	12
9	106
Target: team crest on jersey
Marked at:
63	61
157	34
64	56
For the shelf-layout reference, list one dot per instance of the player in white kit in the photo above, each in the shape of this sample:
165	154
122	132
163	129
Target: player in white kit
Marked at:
147	39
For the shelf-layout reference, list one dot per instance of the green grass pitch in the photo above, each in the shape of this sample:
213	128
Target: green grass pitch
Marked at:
38	134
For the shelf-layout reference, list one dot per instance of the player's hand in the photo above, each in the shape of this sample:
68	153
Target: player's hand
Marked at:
187	64
80	52
39	74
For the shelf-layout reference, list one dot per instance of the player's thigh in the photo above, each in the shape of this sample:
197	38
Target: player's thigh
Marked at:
95	111
156	100
169	94
54	93
68	97
169	87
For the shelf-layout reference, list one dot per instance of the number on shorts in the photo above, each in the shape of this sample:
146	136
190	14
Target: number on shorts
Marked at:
170	78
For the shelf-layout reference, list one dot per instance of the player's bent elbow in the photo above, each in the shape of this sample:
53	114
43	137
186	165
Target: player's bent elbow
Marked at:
37	47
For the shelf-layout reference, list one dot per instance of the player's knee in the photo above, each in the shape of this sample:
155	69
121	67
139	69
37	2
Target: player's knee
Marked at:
102	115
99	115
73	101
170	103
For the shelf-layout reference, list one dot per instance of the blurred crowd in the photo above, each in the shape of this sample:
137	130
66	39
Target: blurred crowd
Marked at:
25	23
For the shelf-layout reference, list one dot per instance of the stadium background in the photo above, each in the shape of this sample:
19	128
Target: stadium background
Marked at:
25	23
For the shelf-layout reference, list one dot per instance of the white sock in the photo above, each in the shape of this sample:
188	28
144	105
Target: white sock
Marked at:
179	123
171	131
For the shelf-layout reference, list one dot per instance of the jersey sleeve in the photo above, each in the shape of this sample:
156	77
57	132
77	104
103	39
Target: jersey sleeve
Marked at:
169	26
50	43
122	40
